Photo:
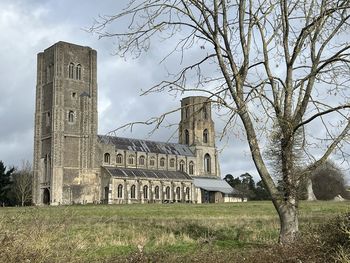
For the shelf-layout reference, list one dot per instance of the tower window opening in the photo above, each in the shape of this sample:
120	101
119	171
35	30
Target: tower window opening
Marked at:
71	71
78	72
48	118
187	137
205	111
207	162
71	116
205	136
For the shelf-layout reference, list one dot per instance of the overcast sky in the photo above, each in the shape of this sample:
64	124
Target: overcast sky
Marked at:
29	26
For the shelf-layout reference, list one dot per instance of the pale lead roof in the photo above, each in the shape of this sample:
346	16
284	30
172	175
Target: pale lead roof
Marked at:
214	185
132	173
146	146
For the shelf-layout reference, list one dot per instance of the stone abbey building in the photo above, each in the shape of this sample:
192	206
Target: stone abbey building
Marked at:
73	164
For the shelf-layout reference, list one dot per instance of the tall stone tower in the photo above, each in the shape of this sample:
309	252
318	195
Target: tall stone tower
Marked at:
65	169
196	129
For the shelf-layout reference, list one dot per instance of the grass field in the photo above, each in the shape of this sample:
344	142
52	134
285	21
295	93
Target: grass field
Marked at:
118	232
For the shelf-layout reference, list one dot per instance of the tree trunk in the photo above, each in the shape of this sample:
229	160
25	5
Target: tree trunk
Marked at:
288	214
310	192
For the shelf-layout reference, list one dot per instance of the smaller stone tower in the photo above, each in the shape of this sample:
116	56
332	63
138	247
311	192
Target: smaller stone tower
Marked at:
196	129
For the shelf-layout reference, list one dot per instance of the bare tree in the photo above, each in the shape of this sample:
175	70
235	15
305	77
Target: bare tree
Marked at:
269	62
22	183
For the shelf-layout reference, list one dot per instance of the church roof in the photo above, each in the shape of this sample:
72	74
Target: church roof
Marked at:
133	173
214	184
138	145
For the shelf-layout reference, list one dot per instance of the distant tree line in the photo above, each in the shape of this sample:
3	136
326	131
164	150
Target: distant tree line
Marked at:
16	185
328	182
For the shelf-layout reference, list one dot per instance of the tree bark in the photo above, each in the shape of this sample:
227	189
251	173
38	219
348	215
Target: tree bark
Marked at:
288	214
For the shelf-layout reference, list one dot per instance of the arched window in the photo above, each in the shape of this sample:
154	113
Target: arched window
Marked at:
187	137
190	168
78	72
142	160
131	159
145	192
71	71
71	116
156	192
182	166
133	191
172	162
162	162
120	191
187	193
207	162
119	158
205	111
167	193
205	136
152	161
178	193
107	158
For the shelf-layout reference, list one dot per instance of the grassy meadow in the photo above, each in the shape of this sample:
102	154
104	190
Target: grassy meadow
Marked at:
164	232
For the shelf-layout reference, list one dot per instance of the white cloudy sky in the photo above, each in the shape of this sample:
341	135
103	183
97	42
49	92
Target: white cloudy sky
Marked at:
29	26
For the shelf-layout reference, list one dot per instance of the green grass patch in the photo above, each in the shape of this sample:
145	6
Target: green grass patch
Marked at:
104	232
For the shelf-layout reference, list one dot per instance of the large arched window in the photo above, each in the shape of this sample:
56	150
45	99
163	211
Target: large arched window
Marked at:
162	162
119	158
182	166
107	158
167	193
187	193
133	191
120	191
187	137
191	168
142	160
207	162
156	192
78	72
71	71
131	159
205	136
71	116
145	192
178	193
172	163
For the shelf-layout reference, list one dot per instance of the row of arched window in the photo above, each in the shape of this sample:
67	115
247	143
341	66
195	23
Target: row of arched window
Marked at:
205	136
156	192
74	71
131	160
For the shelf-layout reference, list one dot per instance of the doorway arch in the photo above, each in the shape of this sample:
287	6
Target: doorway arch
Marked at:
46	196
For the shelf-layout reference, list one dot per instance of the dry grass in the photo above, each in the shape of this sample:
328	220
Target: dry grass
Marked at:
118	233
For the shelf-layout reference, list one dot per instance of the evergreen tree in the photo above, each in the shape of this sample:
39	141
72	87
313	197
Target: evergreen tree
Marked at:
5	183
